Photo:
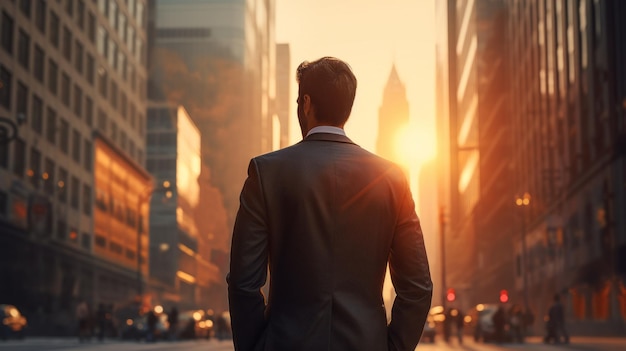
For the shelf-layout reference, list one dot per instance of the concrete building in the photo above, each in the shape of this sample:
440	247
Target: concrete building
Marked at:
569	86
284	76
74	71
180	270
231	45
393	117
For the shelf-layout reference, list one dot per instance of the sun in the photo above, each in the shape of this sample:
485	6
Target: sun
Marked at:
414	146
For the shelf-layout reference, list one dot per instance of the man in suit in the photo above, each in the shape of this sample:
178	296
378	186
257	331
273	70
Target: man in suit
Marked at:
326	217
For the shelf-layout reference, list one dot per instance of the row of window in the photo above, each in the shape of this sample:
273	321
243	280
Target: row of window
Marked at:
83	61
44	174
114	247
83	105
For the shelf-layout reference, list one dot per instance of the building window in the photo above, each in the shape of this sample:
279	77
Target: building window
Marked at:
64	136
102	121
67	44
55	27
37	115
34	172
78	56
51	125
86	241
123	140
62	185
19	157
53	76
40	15
75	196
48	176
76	139
113	94
5	87
88	111
123	104
91	27
21	100
23	49
113	131
100	240
80	14
102	74
65	89
87	199
25	7
38	59
87	155
4	155
91	69
7	32
69	7
78	101
61	229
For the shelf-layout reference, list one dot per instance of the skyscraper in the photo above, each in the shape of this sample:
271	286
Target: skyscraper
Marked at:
393	116
75	71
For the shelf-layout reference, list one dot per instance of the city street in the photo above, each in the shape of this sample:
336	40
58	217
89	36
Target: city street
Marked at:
534	344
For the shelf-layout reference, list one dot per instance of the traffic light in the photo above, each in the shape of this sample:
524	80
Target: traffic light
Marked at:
451	295
504	296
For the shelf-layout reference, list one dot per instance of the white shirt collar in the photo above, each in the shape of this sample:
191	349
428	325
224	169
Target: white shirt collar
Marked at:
326	129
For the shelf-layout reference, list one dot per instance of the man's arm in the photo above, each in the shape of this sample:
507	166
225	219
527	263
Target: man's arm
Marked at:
248	265
410	275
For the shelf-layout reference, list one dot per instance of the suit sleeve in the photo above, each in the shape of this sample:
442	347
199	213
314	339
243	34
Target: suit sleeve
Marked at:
248	264
410	274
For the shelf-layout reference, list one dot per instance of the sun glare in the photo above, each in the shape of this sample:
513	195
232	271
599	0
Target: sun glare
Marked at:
414	146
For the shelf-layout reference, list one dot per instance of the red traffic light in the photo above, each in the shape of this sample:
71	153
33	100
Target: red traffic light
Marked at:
504	296
451	295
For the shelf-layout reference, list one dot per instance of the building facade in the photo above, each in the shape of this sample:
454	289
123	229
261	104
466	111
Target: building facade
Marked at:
549	135
569	87
180	270
284	77
74	73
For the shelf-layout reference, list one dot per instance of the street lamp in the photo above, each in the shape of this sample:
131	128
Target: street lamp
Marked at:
523	202
142	199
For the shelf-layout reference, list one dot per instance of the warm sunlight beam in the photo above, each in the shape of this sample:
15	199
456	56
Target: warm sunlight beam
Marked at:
414	146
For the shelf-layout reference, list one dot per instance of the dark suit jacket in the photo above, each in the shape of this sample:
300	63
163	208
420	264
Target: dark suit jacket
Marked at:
326	216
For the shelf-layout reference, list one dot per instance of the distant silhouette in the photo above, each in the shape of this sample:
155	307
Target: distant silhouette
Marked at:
172	319
82	316
556	323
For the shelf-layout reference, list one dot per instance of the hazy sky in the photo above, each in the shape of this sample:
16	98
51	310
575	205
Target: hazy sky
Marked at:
371	35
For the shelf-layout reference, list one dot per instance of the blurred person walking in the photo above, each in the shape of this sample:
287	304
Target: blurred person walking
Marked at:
556	323
327	218
172	320
82	316
151	320
101	320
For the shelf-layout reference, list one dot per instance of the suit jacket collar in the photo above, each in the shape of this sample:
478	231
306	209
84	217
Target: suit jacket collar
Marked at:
328	137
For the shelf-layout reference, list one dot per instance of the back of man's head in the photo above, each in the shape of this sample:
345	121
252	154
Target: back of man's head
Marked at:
331	86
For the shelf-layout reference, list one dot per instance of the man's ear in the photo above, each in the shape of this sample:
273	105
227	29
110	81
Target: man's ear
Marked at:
307	107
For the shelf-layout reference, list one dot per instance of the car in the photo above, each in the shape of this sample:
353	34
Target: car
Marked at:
194	324
482	322
13	322
137	328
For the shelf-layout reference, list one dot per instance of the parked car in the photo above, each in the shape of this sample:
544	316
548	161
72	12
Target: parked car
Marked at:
482	322
194	324
137	328
13	322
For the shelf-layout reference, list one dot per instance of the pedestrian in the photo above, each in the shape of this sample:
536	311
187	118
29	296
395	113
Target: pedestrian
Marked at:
499	324
326	218
101	320
459	322
516	323
82	316
151	320
556	323
172	320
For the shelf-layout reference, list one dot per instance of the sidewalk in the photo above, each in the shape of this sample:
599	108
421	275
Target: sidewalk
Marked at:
585	340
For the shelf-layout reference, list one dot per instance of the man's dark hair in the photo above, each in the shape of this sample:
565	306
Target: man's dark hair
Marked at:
331	85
